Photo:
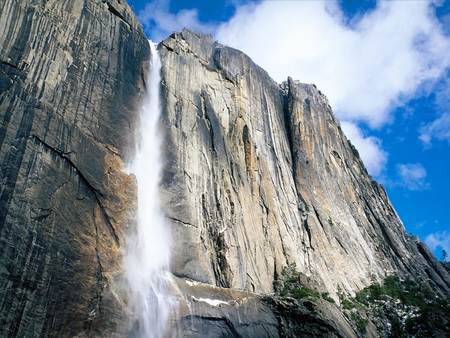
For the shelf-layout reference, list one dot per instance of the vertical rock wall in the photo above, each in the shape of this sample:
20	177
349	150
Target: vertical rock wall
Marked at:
71	75
228	184
355	232
259	176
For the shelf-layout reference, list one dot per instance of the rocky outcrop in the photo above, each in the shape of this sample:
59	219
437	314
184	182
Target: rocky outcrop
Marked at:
260	175
209	311
71	77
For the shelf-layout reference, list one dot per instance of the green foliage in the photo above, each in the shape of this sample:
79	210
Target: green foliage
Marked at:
360	322
396	327
392	287
299	293
430	310
447	266
293	287
348	304
290	273
351	304
326	296
444	256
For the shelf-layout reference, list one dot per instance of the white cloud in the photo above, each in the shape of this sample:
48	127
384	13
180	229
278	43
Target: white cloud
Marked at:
157	18
365	71
370	148
412	176
440	239
439	129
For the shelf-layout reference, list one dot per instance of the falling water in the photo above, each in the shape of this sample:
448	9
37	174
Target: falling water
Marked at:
148	254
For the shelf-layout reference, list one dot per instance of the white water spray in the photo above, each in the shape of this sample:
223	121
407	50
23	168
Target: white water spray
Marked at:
148	253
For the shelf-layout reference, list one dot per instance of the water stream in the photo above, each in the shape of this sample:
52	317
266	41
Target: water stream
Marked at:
148	254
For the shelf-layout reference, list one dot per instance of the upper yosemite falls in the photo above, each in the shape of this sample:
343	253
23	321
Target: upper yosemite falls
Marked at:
207	220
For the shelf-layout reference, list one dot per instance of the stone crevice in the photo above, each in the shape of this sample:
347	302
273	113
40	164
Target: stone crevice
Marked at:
182	222
96	193
114	11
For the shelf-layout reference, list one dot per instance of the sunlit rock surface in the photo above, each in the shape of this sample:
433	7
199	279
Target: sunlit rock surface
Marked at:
70	82
258	175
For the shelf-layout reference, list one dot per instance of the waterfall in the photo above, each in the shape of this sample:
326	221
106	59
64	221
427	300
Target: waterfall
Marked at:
147	260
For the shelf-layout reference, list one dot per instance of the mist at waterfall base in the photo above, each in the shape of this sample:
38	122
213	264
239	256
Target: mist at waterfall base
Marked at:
147	259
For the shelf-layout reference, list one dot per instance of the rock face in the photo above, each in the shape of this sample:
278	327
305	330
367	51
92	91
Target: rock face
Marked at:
70	82
209	311
260	175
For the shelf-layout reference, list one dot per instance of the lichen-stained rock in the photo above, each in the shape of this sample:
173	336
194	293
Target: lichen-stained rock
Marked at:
259	175
71	78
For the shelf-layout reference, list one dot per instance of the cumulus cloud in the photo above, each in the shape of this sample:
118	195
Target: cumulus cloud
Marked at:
370	148
367	66
440	239
438	129
412	176
158	20
365	70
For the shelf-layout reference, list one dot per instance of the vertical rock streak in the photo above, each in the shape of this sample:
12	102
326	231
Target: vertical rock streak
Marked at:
69	100
267	178
147	260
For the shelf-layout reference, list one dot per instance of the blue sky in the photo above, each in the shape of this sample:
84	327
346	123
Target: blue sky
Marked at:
384	65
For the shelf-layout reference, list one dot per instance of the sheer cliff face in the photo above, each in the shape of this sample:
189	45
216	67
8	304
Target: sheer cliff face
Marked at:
70	78
259	176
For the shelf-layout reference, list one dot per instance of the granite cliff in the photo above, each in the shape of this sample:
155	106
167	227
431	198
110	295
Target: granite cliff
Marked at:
70	82
258	177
